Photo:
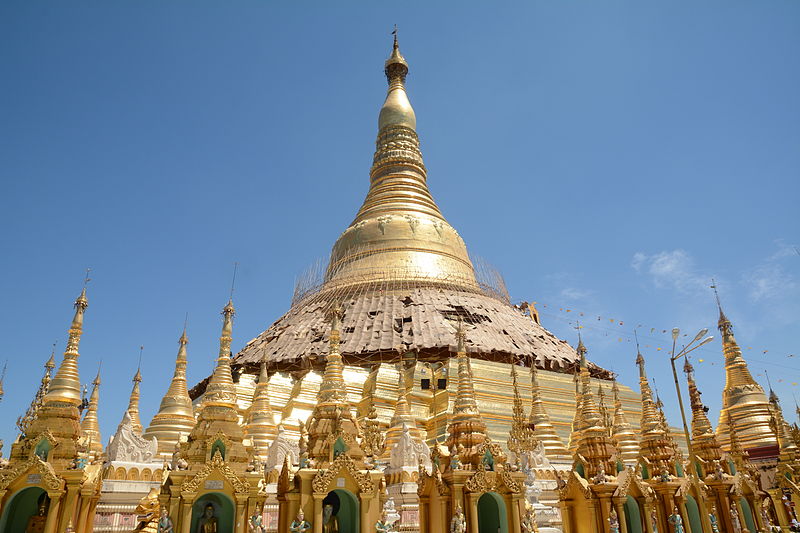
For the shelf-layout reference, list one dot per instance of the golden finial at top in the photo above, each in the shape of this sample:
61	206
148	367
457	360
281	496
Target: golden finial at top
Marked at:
396	66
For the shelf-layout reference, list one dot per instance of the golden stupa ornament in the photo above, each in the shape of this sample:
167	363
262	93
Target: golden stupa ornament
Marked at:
399	233
332	427
175	417
90	426
622	433
742	396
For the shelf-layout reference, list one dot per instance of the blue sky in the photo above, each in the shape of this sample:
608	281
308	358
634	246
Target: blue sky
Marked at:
609	158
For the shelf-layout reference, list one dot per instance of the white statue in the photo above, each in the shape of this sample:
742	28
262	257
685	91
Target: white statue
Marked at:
458	524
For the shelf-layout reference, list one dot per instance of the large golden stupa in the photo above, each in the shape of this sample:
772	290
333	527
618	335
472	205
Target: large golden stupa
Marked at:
403	278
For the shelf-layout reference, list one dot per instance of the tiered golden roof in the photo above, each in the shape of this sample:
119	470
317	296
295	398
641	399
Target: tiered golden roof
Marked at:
466	431
622	433
704	440
133	403
657	449
90	427
175	416
742	397
332	420
260	425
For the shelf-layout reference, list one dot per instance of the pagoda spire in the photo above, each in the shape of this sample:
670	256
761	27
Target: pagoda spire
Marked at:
332	427
742	396
399	233
521	440
260	424
175	416
466	430
59	414
574	436
539	420
90	427
402	417
24	421
656	445
622	433
218	416
594	443
781	429
66	385
221	391
704	439
133	403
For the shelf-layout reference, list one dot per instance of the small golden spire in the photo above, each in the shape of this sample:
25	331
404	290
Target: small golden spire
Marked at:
221	391
332	418
622	433
704	440
656	444
593	440
133	403
574	435
466	428
66	385
539	420
521	440
260	421
781	430
24	422
90	427
401	417
175	415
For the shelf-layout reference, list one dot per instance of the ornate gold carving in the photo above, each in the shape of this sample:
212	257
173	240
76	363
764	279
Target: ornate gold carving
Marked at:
322	480
216	464
49	478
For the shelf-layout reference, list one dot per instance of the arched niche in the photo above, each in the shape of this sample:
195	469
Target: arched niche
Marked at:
695	525
633	516
748	515
21	507
223	511
345	508
492	516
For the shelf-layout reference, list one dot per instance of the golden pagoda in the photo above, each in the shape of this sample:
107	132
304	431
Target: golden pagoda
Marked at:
622	433
48	472
90	426
215	477
175	416
402	276
332	484
24	421
133	402
476	488
260	425
743	398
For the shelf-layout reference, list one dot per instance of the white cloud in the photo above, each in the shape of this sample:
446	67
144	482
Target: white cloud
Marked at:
769	279
671	269
573	293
